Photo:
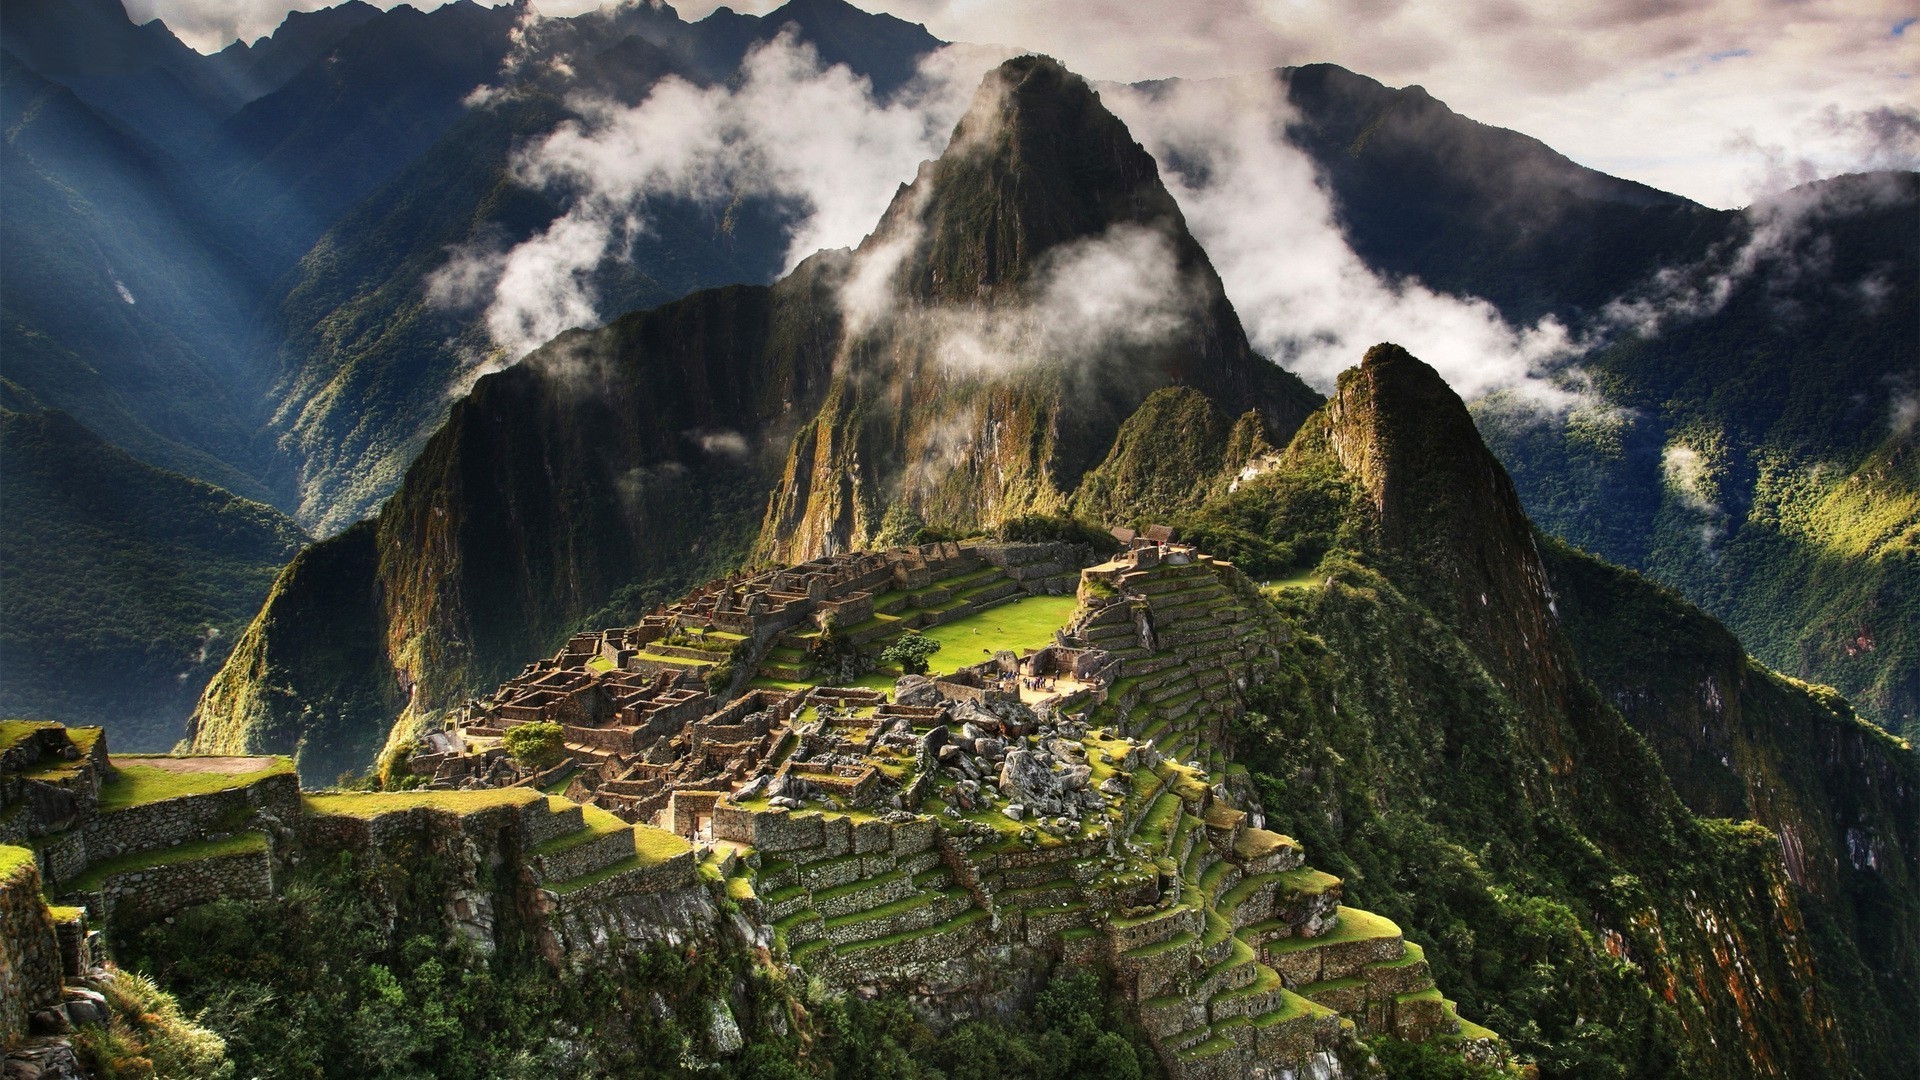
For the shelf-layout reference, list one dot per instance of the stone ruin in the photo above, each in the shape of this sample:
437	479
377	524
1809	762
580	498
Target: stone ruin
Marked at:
1072	803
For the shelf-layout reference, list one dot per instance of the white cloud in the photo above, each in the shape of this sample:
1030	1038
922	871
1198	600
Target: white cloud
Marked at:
1690	478
1903	412
1257	206
812	137
1656	92
1091	299
1785	243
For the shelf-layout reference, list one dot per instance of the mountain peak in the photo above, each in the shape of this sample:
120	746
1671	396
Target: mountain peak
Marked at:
1037	161
1443	502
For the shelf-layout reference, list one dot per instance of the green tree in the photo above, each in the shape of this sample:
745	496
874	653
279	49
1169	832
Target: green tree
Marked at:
535	746
900	525
911	651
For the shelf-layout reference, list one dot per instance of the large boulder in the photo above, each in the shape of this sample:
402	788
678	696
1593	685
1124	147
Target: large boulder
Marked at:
917	690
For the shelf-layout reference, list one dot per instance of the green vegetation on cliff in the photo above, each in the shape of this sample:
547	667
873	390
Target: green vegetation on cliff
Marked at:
330	980
122	587
1425	727
1756	458
966	400
1169	456
352	972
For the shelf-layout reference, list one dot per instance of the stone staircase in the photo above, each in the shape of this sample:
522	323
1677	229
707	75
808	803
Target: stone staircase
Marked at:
891	905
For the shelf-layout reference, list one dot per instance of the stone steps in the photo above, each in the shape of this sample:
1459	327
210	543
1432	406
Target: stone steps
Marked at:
1358	939
910	913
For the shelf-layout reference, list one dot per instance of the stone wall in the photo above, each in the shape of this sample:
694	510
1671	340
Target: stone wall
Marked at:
168	822
154	891
66	789
29	951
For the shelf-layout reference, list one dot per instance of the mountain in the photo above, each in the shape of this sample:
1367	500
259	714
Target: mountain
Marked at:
1475	210
141	76
608	470
1753	454
300	156
122	307
1498	742
1533	756
1781	394
614	465
254	70
370	360
124	586
1042	283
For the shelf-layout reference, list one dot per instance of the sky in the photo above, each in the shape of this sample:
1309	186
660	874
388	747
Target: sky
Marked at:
1718	100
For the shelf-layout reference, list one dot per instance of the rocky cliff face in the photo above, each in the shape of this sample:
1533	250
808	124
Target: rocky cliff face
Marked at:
1739	741
1019	300
630	457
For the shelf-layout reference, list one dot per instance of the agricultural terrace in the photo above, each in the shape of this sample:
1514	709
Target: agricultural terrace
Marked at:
137	780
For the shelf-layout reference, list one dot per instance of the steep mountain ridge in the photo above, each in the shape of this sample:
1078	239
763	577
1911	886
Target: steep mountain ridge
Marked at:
121	306
142	76
260	67
607	470
1441	502
1740	741
1480	211
976	391
1752	455
1430	717
369	357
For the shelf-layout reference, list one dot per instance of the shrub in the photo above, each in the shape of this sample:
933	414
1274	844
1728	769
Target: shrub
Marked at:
146	1035
1044	528
535	746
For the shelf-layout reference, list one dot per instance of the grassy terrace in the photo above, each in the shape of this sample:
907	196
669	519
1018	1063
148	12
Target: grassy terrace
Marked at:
656	658
598	824
139	781
13	731
12	859
1355	925
651	848
243	844
958	922
884	911
371	804
1020	624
